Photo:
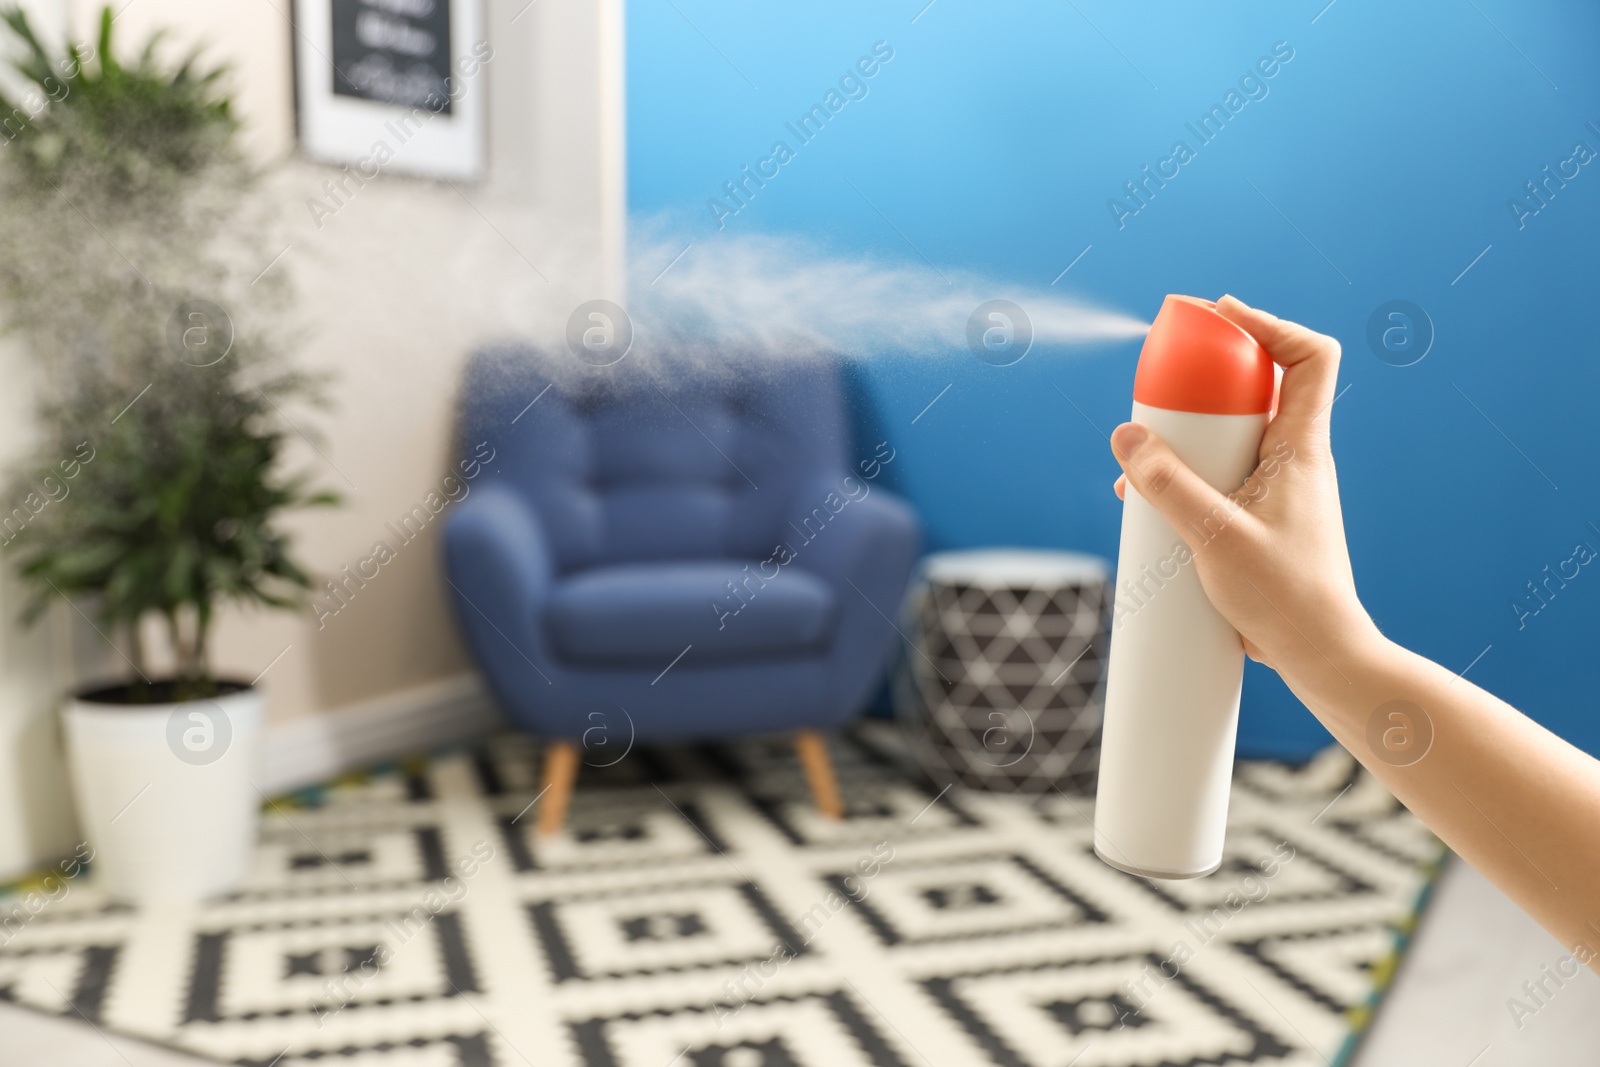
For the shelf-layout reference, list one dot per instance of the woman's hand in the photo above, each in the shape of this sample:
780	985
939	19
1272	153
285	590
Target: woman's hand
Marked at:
1278	568
1512	798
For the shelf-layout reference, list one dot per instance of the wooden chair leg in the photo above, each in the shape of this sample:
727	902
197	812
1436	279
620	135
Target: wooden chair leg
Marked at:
560	772
812	749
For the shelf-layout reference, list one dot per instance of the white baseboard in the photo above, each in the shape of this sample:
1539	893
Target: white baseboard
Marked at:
314	749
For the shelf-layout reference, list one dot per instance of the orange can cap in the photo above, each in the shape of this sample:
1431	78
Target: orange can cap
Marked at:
1195	360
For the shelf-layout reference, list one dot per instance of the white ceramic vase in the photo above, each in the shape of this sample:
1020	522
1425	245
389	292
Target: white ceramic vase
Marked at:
166	793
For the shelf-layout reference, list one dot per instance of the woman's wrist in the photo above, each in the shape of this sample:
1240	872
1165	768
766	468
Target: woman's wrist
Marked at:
1341	670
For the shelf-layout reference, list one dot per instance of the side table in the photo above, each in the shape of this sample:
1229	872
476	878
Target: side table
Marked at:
1002	687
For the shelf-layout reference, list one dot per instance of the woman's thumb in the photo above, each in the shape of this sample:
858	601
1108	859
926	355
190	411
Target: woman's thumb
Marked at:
1155	472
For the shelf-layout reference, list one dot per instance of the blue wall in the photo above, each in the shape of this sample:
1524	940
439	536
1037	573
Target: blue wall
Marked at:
1394	140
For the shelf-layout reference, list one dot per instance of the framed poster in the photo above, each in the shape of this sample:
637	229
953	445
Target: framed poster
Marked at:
392	85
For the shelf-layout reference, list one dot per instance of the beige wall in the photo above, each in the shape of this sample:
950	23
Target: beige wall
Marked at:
394	291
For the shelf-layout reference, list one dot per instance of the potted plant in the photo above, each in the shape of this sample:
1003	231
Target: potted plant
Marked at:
158	489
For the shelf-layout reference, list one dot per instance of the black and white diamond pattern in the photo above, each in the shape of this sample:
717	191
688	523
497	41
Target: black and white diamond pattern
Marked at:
1018	1014
958	897
697	912
824	1029
659	928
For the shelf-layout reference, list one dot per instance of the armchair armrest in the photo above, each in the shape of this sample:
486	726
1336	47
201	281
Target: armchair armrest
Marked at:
500	569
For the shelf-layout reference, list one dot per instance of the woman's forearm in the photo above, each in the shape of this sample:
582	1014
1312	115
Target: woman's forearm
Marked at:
1513	799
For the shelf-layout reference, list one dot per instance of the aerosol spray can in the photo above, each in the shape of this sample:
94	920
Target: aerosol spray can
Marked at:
1172	685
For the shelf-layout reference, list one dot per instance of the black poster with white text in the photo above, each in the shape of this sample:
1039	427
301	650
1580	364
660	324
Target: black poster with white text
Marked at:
393	52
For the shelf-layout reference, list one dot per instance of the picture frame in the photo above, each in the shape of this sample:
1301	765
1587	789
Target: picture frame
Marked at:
393	85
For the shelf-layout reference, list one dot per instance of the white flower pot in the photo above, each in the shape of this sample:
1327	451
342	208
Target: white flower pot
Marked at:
166	793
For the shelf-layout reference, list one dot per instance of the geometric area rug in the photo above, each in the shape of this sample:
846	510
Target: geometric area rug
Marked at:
696	912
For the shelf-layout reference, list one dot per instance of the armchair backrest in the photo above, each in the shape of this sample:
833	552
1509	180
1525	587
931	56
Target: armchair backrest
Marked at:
627	466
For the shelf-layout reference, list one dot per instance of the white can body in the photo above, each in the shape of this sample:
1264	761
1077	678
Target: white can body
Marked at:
1173	680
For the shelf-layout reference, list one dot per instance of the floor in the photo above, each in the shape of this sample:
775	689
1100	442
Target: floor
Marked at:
1449	1005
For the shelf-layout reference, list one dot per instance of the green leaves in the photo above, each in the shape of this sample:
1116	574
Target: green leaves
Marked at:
177	510
143	123
121	196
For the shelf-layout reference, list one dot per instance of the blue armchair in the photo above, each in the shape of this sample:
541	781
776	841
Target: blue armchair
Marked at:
686	556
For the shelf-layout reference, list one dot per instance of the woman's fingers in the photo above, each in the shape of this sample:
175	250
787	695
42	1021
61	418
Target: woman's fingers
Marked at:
1310	363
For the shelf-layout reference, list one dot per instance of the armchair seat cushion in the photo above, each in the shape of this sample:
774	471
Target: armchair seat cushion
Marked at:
648	612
